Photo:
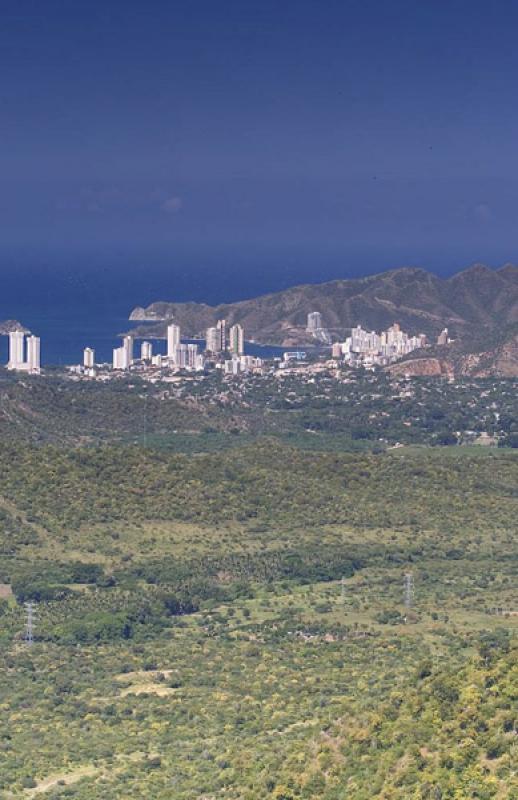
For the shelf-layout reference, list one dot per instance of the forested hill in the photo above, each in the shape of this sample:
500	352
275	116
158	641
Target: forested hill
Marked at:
419	300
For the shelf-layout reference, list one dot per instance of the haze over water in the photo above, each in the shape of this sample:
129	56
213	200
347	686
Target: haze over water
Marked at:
214	153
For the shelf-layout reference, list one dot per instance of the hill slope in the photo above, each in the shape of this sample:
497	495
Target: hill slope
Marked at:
417	299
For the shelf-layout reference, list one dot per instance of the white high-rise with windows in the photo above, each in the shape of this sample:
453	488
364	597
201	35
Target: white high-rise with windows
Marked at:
314	321
16	349
33	354
236	338
127	344
17	359
173	340
221	327
120	358
88	358
192	356
146	351
213	340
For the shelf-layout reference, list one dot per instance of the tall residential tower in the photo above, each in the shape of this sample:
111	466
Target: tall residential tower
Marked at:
236	338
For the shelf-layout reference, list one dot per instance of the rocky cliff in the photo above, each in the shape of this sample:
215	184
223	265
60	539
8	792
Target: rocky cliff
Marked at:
11	325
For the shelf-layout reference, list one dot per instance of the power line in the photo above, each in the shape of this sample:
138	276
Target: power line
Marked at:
145	420
29	624
409	590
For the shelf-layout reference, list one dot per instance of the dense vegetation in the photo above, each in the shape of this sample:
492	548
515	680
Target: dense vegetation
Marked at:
350	410
231	624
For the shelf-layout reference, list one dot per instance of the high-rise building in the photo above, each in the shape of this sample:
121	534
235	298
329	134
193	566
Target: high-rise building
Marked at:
213	340
121	358
127	344
443	337
180	356
221	326
16	349
88	358
146	351
17	359
33	354
314	321
173	340
236	338
192	355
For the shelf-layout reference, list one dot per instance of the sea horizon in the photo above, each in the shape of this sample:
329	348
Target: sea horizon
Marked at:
78	302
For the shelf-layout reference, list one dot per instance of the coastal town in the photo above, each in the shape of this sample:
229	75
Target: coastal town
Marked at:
224	348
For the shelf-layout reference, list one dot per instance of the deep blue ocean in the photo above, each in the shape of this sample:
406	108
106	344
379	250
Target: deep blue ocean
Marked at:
74	299
73	309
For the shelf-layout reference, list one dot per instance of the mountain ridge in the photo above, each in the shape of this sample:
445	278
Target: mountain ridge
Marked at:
416	298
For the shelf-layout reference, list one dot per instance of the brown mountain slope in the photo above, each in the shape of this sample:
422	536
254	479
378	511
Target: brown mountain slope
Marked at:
484	352
417	299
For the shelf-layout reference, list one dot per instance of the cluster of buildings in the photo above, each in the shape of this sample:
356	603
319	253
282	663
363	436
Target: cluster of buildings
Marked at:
24	353
219	342
368	348
225	350
179	355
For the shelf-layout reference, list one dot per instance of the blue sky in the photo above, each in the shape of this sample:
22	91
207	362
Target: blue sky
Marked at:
323	138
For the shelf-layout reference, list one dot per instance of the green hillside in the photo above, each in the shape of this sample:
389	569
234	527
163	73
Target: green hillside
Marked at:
232	624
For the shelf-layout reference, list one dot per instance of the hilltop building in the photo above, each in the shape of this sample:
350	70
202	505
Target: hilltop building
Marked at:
314	322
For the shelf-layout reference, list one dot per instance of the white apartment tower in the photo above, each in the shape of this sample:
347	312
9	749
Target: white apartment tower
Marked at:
192	356
173	340
16	349
88	358
236	338
221	327
146	351
121	358
33	354
180	356
213	340
314	321
127	344
17	353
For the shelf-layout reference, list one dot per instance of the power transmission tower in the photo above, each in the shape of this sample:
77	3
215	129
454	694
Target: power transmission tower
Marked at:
29	625
145	420
409	590
343	589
